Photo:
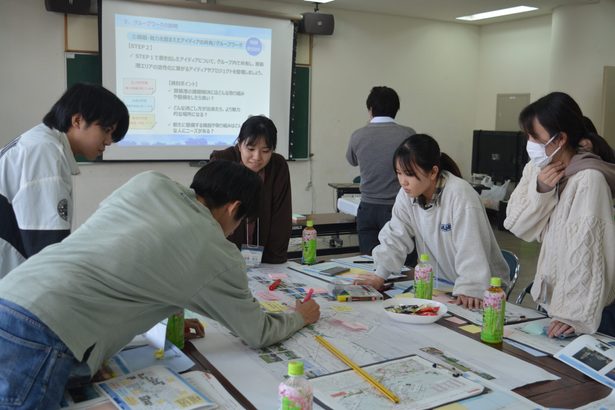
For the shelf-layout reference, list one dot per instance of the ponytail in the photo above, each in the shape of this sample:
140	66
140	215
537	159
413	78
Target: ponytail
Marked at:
422	151
447	164
601	147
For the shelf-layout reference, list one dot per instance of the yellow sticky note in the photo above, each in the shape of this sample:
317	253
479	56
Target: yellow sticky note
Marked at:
470	328
355	272
405	295
341	308
273	306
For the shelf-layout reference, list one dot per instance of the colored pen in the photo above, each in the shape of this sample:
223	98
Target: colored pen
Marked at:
362	261
275	284
308	296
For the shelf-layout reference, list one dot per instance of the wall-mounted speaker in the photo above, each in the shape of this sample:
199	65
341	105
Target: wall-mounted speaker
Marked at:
72	6
317	23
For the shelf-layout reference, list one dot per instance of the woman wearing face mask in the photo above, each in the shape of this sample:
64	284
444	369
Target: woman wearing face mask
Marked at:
564	200
255	149
442	214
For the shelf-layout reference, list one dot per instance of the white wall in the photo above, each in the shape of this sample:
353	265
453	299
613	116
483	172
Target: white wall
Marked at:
447	75
563	52
515	57
431	65
32	65
583	43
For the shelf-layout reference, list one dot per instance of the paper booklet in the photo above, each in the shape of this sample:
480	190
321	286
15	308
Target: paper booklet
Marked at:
156	388
414	380
592	357
93	397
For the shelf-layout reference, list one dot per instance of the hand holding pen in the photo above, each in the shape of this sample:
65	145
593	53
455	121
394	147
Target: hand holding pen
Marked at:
308	309
308	295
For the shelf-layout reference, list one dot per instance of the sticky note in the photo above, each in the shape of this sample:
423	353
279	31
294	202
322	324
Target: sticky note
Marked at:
470	328
341	308
353	325
457	320
443	298
275	276
407	295
267	295
354	272
274	307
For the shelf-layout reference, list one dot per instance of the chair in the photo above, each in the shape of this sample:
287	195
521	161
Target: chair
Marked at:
513	269
524	292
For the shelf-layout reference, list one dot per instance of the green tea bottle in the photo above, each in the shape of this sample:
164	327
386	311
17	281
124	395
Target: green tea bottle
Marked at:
494	307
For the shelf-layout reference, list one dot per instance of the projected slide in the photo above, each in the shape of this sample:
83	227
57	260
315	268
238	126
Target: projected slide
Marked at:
190	83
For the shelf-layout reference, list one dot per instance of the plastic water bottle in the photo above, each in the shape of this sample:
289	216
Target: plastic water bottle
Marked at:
494	310
295	391
423	278
308	241
175	329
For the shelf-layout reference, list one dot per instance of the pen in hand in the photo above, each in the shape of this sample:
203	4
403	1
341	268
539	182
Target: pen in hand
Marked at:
308	296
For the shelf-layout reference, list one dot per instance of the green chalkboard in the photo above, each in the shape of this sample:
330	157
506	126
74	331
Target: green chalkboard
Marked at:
83	68
87	68
300	115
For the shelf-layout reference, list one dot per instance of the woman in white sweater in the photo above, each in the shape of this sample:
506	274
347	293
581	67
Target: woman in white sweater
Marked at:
444	216
564	200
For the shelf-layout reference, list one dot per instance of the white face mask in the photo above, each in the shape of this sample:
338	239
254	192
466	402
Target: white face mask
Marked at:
537	152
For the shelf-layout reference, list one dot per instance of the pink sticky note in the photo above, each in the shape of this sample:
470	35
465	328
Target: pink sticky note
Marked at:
457	320
349	325
319	291
353	325
443	298
275	276
266	295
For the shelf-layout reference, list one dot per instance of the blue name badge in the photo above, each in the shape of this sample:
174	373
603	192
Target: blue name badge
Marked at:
253	254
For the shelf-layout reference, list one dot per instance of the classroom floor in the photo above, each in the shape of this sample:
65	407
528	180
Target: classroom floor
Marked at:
527	252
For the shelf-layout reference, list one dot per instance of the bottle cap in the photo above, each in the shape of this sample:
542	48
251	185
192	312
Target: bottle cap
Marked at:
424	257
295	368
309	223
496	281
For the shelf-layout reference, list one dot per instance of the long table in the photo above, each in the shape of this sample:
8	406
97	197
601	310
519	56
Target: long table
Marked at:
573	389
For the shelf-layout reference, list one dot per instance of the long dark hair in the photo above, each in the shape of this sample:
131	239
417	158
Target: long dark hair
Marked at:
423	151
558	112
258	126
599	144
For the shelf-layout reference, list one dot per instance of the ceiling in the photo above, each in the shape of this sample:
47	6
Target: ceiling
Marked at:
443	10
